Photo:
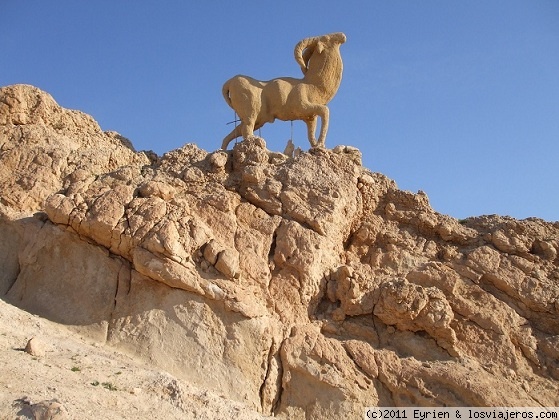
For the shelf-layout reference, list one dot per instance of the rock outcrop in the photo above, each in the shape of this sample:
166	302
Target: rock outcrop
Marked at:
305	287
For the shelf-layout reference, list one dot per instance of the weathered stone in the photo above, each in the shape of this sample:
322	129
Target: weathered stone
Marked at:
302	286
158	189
35	347
42	410
218	160
228	263
212	250
415	308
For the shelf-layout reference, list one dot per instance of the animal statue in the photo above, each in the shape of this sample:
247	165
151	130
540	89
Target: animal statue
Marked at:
287	98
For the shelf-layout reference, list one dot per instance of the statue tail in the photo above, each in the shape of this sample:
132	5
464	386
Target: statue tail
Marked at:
225	92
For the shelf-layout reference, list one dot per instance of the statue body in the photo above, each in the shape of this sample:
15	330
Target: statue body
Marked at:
287	98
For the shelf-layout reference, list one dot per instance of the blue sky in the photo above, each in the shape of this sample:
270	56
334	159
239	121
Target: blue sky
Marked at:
457	98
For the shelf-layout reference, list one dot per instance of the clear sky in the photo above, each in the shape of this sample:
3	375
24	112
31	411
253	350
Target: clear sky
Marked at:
457	98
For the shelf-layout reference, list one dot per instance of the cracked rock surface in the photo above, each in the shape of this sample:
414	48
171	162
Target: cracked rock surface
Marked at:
301	286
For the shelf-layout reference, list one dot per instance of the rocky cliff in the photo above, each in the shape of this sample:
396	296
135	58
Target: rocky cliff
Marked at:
302	286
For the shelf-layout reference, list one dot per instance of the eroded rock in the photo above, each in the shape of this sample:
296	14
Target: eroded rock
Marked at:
35	347
303	285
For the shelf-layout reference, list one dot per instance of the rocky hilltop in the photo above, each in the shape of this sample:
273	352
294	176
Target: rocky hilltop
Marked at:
300	286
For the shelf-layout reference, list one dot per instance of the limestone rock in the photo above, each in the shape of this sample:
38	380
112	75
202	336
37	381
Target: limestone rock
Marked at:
35	347
228	263
42	410
158	189
42	144
416	308
302	286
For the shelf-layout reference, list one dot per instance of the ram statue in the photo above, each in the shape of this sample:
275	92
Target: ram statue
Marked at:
287	98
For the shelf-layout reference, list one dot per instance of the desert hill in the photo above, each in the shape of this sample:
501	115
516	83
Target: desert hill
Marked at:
299	286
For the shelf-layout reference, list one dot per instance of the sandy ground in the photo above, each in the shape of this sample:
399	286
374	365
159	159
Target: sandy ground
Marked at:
80	380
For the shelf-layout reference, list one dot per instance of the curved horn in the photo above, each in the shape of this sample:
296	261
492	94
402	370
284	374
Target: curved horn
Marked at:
299	48
339	37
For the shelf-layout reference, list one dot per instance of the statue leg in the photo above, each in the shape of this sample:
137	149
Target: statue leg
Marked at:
248	129
324	116
319	111
245	130
311	129
231	136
